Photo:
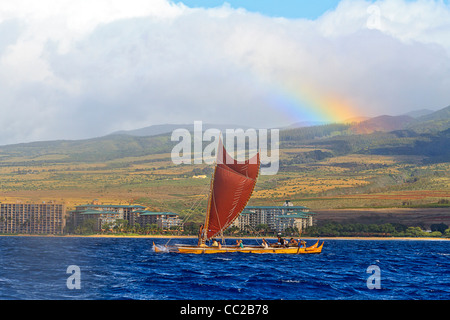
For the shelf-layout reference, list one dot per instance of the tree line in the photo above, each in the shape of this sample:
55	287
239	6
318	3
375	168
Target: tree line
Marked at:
333	229
329	229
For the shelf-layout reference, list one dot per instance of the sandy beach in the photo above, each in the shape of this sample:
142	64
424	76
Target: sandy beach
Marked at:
248	238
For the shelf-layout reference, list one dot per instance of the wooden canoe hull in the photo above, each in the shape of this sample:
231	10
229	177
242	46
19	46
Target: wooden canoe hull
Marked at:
249	249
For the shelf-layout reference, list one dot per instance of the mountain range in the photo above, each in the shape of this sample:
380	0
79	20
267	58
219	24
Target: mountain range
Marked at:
168	128
422	131
359	125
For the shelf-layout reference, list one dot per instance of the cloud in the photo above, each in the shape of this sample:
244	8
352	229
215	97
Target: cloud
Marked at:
77	69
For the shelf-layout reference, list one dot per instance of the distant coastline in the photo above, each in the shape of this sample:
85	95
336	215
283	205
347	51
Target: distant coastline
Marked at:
231	237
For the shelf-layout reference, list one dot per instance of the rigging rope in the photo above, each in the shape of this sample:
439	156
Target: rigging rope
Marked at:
195	204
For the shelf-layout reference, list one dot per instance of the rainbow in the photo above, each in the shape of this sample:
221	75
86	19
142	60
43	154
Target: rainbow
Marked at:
307	104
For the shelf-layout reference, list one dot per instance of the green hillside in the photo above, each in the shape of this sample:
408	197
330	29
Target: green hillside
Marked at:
91	150
434	122
417	139
325	166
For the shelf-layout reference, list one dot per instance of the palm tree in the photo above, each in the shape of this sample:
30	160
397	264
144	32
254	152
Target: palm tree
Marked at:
262	228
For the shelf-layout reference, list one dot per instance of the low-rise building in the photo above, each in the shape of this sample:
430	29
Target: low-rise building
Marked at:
296	220
103	219
277	218
108	215
164	220
128	212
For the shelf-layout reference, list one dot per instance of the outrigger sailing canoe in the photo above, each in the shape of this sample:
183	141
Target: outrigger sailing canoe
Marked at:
231	187
247	249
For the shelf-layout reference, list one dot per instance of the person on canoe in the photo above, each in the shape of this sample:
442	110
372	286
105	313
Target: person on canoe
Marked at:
283	243
301	243
280	241
200	235
293	243
264	244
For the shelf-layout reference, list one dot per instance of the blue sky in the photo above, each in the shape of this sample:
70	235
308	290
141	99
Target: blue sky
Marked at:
292	9
286	8
126	64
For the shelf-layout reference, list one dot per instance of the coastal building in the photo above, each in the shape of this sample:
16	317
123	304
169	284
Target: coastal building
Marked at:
164	220
126	212
32	218
277	218
103	219
296	220
108	216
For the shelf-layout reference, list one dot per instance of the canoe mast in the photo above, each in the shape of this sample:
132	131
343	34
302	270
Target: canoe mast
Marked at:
231	186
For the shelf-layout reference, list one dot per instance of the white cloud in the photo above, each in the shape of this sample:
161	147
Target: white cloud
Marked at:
74	69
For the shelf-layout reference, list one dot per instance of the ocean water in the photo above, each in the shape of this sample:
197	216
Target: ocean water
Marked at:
126	268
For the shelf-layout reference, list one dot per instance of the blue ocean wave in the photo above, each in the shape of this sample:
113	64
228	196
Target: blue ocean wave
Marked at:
126	268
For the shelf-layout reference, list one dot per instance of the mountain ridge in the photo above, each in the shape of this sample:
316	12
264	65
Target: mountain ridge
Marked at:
158	129
121	145
382	123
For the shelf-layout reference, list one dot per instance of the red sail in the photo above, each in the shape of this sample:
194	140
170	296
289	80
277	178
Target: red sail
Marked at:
232	187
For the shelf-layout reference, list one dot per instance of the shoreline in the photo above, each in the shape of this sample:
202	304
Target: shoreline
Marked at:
231	237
